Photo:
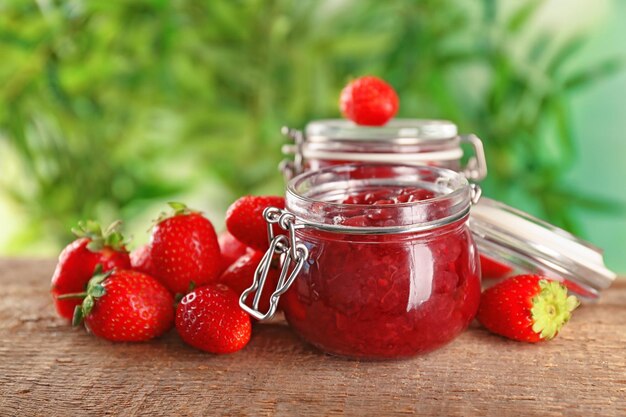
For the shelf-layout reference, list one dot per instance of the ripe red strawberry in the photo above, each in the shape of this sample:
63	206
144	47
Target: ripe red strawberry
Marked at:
528	308
126	306
209	318
185	250
141	260
492	269
240	274
78	262
244	219
368	101
231	248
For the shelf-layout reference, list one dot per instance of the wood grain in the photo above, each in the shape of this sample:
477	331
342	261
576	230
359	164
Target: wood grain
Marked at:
50	369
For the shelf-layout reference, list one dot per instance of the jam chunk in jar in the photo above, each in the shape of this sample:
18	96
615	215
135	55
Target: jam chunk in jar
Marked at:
391	269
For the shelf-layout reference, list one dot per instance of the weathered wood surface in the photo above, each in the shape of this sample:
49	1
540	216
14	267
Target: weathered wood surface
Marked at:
49	369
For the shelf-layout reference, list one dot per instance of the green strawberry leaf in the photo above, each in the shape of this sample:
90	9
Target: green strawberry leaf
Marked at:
177	207
110	237
97	270
95	245
98	278
180	209
78	316
97	291
88	304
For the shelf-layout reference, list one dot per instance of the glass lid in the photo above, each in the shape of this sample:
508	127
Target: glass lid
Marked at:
397	131
513	240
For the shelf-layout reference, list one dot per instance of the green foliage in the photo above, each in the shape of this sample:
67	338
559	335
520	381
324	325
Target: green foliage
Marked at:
109	106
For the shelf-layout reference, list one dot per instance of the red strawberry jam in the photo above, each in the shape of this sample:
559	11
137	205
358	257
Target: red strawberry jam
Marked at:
379	295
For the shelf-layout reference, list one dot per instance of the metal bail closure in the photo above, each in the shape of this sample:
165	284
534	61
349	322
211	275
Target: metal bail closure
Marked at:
291	254
476	168
475	193
291	168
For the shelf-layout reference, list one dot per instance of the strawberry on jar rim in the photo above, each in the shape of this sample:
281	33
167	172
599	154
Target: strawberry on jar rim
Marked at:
94	248
184	249
368	101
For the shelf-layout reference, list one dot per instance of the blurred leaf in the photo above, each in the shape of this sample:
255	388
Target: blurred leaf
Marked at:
565	53
564	129
521	17
490	10
591	75
15	39
459	57
539	47
594	203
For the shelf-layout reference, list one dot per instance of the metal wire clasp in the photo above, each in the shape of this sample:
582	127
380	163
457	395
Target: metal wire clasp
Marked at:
291	254
475	193
476	168
291	168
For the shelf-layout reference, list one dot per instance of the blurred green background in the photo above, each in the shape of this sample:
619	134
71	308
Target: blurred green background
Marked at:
108	109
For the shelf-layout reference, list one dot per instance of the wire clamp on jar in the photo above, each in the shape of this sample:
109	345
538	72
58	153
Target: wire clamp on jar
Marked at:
291	168
475	193
291	254
476	168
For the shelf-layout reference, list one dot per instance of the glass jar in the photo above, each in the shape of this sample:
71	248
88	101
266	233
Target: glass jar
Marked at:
401	141
377	262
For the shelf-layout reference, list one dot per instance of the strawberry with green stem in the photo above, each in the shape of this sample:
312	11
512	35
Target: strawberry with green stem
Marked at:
78	261
124	306
184	249
527	308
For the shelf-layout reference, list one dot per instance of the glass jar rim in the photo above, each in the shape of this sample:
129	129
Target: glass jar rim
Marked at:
453	191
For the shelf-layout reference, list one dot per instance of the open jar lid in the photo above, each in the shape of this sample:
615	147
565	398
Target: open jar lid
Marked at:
396	131
517	240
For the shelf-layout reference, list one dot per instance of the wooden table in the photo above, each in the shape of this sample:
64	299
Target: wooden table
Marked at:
50	369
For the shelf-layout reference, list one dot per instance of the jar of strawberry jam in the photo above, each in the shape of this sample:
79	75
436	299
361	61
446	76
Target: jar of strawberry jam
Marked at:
377	262
401	141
